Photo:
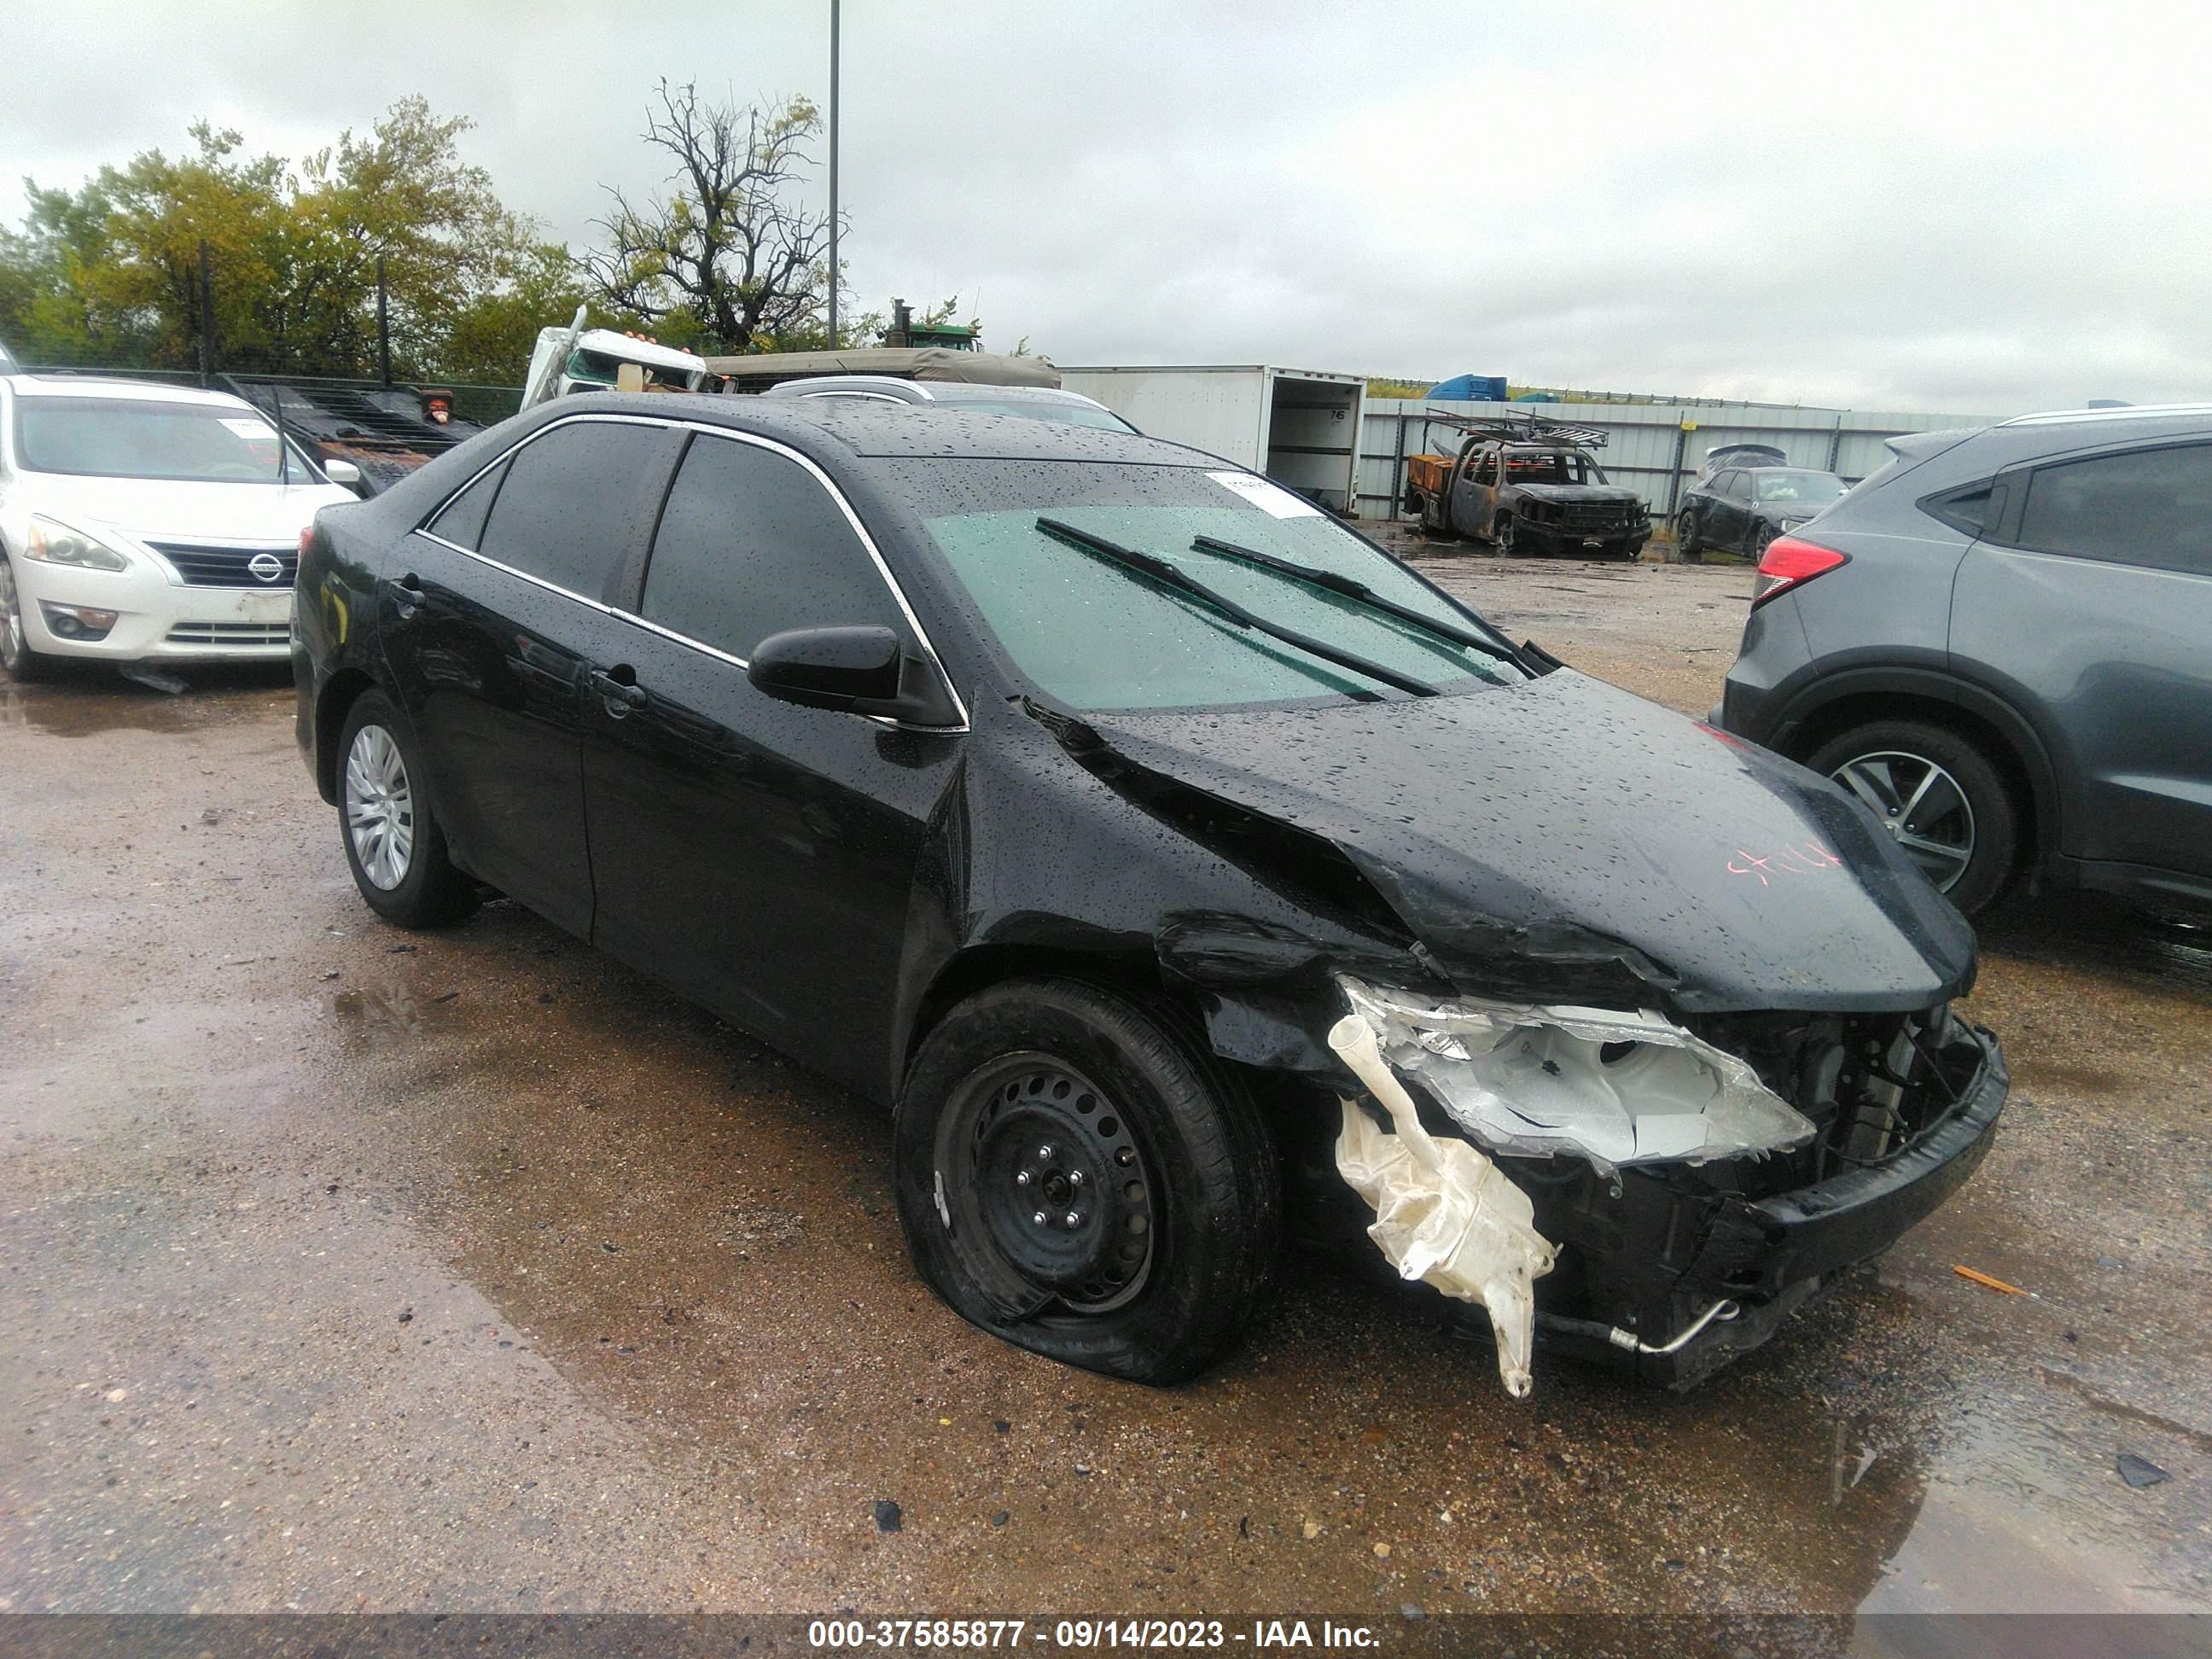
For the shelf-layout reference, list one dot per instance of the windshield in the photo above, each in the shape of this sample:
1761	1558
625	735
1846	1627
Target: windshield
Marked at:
1039	408
119	438
1094	635
1812	488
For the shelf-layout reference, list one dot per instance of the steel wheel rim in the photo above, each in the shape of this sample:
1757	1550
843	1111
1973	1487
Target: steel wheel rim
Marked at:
380	808
1921	806
1051	1182
12	642
1505	534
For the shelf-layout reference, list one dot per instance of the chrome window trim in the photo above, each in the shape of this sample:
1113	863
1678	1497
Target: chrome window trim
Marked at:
601	606
821	479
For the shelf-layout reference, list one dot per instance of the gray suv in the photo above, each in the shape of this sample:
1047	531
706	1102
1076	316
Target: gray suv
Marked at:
2001	643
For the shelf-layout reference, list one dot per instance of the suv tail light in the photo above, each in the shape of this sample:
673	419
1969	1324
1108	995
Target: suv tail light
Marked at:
1790	562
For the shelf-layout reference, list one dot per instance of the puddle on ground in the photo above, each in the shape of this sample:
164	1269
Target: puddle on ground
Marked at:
91	702
2089	930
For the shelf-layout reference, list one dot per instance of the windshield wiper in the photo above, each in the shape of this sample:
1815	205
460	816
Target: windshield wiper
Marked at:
1169	575
1352	588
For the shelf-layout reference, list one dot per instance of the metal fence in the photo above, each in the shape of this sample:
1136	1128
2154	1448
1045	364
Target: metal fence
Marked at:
486	405
1653	448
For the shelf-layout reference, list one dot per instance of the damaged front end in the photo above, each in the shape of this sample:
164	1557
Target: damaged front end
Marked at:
1678	1191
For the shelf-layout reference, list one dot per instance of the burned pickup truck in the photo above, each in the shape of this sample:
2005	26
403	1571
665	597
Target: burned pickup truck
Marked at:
1525	486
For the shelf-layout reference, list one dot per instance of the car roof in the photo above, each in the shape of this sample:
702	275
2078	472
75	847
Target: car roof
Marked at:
926	391
847	386
2101	417
90	385
862	428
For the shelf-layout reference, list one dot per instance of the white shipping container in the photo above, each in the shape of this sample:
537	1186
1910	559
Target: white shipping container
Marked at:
1300	427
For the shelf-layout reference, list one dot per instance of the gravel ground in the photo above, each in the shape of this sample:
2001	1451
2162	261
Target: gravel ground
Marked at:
351	1269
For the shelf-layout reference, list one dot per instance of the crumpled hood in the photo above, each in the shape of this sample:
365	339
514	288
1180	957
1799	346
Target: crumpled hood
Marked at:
1564	840
152	509
1554	492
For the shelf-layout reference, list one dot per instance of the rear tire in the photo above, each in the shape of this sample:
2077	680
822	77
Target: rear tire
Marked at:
24	666
1072	1178
1963	829
393	844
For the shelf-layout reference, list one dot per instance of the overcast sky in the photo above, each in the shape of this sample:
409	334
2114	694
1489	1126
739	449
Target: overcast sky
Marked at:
1938	207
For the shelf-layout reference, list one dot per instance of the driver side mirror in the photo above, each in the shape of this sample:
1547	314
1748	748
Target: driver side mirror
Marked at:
855	671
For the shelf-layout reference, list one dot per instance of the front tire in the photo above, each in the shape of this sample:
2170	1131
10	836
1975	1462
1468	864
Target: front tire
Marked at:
393	844
1073	1178
1501	534
1687	548
24	666
1940	796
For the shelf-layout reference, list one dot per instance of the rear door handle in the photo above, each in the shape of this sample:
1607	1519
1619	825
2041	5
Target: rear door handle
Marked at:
407	594
618	688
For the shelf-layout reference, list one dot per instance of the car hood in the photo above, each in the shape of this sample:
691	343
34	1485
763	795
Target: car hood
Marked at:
1551	492
165	510
1563	840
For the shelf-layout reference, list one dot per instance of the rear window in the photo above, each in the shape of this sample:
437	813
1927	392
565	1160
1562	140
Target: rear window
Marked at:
569	508
2151	506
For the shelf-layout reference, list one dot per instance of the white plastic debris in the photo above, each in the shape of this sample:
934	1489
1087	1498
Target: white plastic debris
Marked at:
1616	1088
1443	1212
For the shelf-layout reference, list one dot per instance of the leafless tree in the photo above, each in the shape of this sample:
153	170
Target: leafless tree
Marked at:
726	248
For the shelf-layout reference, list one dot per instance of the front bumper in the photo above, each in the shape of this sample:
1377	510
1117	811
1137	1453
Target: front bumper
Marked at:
1662	1252
1559	538
156	619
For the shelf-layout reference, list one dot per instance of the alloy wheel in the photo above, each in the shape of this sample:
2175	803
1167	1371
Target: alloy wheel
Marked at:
1053	1180
12	641
1921	804
379	807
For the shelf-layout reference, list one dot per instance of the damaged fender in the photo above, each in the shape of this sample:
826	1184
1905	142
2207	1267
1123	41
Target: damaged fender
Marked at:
1443	1212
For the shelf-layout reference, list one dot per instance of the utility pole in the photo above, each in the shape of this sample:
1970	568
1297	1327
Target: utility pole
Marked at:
383	328
833	174
207	315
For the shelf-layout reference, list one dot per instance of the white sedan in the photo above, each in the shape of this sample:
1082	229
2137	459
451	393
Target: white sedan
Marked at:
143	522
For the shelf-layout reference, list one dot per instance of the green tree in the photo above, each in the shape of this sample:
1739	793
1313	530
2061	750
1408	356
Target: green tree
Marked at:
109	273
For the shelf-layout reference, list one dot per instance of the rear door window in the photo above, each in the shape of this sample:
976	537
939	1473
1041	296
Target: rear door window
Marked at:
569	511
750	545
461	520
2149	507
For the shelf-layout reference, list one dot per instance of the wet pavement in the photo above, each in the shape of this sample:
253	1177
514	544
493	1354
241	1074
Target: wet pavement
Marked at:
352	1269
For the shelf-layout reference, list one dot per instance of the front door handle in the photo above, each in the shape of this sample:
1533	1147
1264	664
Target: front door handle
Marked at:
618	689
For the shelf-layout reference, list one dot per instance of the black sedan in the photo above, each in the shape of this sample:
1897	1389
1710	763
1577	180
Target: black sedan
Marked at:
1148	841
1739	509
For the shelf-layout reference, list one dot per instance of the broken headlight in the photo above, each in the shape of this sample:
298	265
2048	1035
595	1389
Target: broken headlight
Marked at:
1615	1088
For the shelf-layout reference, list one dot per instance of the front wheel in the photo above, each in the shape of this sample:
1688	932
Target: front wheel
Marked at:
23	665
1501	531
1687	548
1939	796
1072	1179
393	844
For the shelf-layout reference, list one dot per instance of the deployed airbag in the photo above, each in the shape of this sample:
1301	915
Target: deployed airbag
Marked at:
1443	1212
